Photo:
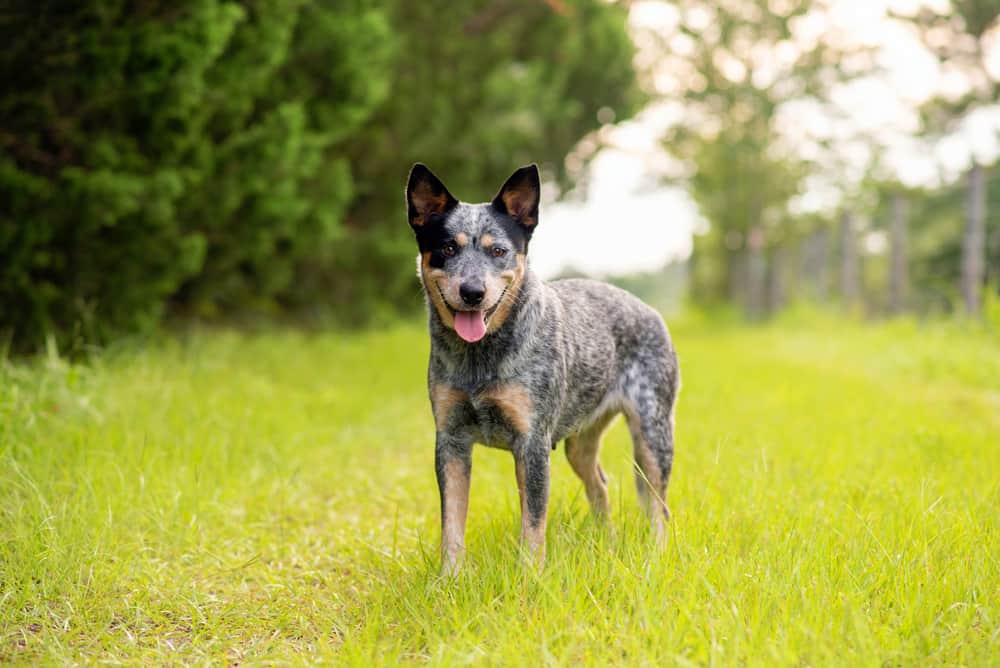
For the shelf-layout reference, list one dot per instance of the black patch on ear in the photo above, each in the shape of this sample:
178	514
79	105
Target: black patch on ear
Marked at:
519	197
431	237
426	196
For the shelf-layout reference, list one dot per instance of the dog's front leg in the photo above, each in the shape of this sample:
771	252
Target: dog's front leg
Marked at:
531	462
453	463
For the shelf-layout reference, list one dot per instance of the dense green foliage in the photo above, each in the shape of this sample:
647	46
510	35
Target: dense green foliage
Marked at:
154	152
215	156
219	502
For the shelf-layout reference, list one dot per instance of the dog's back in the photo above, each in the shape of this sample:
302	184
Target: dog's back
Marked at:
617	348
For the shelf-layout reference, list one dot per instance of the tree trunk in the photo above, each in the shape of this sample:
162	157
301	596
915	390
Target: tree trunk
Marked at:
756	273
776	280
737	270
899	276
974	242
993	261
848	261
821	264
814	263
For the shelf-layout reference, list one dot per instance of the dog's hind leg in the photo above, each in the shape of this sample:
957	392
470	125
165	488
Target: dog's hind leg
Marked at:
582	451
649	412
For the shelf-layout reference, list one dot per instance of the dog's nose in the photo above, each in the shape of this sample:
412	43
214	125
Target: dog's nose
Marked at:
472	293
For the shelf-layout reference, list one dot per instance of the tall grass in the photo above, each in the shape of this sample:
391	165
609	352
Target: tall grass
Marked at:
271	499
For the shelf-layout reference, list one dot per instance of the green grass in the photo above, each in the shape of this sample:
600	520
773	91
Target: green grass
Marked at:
270	498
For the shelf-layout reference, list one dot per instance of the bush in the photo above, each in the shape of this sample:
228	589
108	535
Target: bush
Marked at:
157	151
207	157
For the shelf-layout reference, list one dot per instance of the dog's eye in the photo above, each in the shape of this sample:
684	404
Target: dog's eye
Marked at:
449	249
499	252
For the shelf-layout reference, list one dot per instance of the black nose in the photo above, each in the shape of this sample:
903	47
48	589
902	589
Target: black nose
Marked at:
472	293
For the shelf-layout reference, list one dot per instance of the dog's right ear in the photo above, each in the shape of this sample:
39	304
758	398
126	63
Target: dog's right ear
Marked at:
426	196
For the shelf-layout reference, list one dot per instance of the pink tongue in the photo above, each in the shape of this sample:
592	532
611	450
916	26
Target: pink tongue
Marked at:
470	325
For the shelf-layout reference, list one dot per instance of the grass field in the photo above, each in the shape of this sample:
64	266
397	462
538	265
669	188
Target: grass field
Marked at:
270	498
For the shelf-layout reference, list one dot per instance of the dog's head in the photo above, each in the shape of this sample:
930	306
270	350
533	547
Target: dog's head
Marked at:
472	256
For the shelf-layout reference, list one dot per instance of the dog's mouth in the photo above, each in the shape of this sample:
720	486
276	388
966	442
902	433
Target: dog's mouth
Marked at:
471	325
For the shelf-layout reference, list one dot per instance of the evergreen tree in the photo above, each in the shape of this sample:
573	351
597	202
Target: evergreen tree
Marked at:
212	156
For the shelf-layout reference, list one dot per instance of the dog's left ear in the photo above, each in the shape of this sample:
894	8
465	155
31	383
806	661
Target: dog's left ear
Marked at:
519	197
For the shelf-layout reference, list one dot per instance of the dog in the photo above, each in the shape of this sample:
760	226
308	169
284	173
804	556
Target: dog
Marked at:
521	364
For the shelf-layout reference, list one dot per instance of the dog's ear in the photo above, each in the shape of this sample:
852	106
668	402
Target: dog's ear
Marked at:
426	195
519	197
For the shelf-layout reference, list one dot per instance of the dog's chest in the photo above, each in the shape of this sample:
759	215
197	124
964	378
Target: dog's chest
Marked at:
500	413
487	428
495	415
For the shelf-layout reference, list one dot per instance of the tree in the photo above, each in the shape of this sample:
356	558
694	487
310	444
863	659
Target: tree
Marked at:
960	38
933	249
735	67
157	151
899	277
974	242
850	283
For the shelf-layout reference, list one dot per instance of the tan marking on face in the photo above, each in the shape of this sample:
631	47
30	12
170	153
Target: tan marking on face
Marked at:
426	202
502	291
430	277
455	509
514	278
514	401
486	241
462	239
444	398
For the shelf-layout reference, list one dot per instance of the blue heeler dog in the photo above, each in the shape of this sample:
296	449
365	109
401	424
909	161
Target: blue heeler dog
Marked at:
520	364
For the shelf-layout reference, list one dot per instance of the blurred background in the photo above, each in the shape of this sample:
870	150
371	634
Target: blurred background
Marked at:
213	160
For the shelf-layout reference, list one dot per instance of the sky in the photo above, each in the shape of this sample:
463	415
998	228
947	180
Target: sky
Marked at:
622	227
631	219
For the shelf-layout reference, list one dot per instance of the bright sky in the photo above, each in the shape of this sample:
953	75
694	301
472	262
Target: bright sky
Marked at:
629	221
620	228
